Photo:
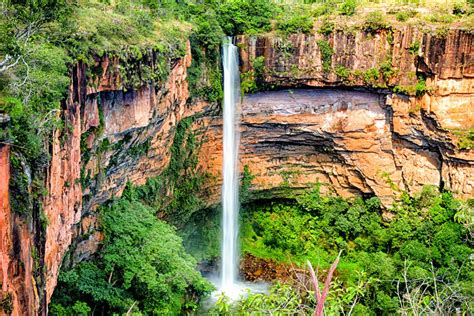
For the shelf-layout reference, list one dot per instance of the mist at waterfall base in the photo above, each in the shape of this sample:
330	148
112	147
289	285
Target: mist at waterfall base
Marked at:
226	281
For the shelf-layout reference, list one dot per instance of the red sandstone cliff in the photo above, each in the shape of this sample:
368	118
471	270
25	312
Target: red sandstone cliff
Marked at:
19	295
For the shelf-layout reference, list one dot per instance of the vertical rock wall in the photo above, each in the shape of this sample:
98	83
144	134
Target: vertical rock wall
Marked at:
19	295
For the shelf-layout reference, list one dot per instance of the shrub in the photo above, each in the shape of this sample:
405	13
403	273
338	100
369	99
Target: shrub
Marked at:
466	139
440	17
414	48
248	82
371	75
342	72
296	24
460	8
323	9
403	16
348	7
386	69
207	31
327	27
326	54
374	22
420	88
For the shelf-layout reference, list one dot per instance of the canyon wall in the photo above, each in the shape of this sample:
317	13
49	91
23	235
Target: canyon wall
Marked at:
351	132
352	141
361	147
19	295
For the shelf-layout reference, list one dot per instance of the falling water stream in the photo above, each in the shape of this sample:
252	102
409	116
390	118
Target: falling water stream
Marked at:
228	282
230	187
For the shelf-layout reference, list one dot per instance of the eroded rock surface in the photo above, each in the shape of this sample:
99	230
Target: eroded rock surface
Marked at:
348	139
18	287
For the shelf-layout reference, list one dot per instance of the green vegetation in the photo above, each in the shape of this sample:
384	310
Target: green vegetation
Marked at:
6	304
405	15
246	16
386	69
327	27
326	54
465	138
296	24
371	76
245	184
176	192
348	7
142	267
251	81
374	22
342	72
282	299
418	247
414	48
419	89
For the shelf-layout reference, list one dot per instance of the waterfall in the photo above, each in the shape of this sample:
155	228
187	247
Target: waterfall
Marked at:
230	169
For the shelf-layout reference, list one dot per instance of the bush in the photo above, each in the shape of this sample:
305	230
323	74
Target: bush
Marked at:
441	18
326	54
207	32
403	16
327	27
348	7
374	22
342	72
466	139
296	24
420	88
414	48
386	69
323	9
371	75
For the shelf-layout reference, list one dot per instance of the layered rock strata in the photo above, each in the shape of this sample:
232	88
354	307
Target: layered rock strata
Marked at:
423	132
352	140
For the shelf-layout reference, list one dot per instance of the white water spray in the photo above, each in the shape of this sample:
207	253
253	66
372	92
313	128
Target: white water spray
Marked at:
230	171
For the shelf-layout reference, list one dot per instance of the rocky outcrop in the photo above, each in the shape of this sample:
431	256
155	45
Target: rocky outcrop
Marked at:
111	136
63	203
395	59
127	137
402	142
351	140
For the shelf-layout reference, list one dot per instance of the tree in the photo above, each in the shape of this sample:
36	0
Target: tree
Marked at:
142	267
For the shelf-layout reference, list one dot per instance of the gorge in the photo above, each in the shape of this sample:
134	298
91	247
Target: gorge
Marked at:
371	114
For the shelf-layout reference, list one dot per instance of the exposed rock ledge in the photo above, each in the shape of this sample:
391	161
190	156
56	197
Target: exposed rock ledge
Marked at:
355	141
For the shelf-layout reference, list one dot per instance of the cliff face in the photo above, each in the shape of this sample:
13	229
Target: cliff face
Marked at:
351	140
370	145
111	136
18	285
370	142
